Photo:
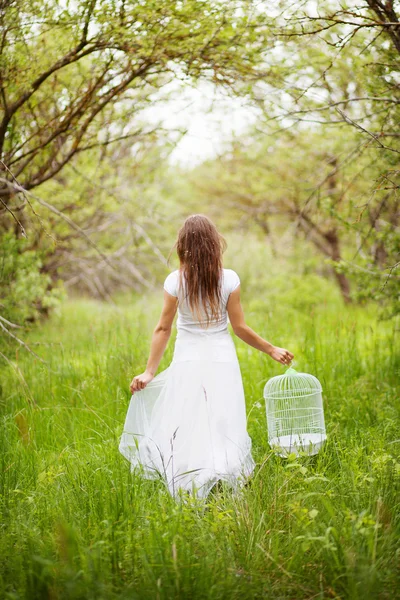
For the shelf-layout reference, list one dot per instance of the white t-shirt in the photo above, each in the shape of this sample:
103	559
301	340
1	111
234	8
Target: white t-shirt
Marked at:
186	319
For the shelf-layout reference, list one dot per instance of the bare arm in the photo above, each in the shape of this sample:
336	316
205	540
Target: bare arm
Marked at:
159	342
248	335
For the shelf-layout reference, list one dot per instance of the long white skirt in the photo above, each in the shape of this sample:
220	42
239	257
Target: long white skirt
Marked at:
188	426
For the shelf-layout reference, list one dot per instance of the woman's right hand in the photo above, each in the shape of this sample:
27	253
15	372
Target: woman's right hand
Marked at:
140	381
281	355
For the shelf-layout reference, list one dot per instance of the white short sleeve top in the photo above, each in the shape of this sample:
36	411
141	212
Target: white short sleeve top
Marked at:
186	319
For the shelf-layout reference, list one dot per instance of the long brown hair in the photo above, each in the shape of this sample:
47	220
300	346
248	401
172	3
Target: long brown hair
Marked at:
200	246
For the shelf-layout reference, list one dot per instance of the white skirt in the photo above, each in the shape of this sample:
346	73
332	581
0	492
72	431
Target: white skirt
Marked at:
188	426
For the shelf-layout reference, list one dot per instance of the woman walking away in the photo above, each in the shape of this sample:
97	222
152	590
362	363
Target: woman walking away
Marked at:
188	424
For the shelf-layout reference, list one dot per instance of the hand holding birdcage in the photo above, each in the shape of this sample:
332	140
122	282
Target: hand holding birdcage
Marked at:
281	355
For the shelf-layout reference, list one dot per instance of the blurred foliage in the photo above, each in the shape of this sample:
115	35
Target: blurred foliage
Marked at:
25	292
335	72
321	190
322	160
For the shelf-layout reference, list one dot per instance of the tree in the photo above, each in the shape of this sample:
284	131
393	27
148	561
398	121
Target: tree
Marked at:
272	182
77	77
332	72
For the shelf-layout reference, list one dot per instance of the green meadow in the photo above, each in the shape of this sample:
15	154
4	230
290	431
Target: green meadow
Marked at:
76	524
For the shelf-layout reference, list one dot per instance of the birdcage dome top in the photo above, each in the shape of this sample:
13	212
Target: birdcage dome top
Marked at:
292	383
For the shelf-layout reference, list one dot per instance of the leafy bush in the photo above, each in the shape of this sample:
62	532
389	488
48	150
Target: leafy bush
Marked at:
25	292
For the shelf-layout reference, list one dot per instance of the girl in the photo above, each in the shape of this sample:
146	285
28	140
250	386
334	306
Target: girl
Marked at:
188	424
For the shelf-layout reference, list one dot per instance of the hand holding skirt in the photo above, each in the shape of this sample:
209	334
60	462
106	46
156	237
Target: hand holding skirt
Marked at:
188	426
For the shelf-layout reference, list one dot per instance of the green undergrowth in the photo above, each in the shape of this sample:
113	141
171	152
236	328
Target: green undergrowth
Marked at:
76	524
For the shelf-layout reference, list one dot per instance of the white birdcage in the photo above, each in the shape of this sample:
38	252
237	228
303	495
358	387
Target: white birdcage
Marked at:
295	413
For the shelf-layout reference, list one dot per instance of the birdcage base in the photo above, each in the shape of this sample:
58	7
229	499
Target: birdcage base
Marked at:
310	443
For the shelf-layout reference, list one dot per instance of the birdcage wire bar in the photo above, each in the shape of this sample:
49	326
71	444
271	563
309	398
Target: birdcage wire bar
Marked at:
295	413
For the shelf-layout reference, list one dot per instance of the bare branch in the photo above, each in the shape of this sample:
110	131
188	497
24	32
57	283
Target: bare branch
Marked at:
21	342
390	274
70	222
10	324
372	135
6	207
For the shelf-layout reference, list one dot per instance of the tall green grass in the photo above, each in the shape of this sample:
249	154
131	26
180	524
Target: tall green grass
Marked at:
76	524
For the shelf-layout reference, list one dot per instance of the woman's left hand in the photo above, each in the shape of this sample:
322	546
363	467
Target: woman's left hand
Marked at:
281	355
140	381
